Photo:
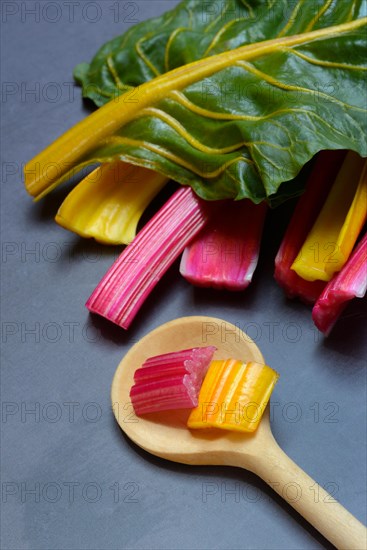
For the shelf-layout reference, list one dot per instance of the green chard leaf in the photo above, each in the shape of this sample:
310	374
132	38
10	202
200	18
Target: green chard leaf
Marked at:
232	98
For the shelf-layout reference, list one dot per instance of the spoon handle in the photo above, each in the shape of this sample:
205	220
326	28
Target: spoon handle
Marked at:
306	496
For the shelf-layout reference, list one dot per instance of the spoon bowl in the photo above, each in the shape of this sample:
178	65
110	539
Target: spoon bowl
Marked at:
166	435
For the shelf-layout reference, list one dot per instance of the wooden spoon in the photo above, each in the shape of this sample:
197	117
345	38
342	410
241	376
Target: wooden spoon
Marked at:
166	435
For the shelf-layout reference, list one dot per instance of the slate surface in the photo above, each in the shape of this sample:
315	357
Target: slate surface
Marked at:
70	479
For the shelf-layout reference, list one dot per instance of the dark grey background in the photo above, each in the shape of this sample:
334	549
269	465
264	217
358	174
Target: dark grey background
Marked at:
92	488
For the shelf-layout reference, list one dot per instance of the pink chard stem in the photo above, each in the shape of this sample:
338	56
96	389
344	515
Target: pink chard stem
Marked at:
321	179
349	283
170	381
225	253
141	265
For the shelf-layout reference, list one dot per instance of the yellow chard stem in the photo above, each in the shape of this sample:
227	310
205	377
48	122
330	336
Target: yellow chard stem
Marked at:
109	202
335	231
45	170
355	219
233	396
